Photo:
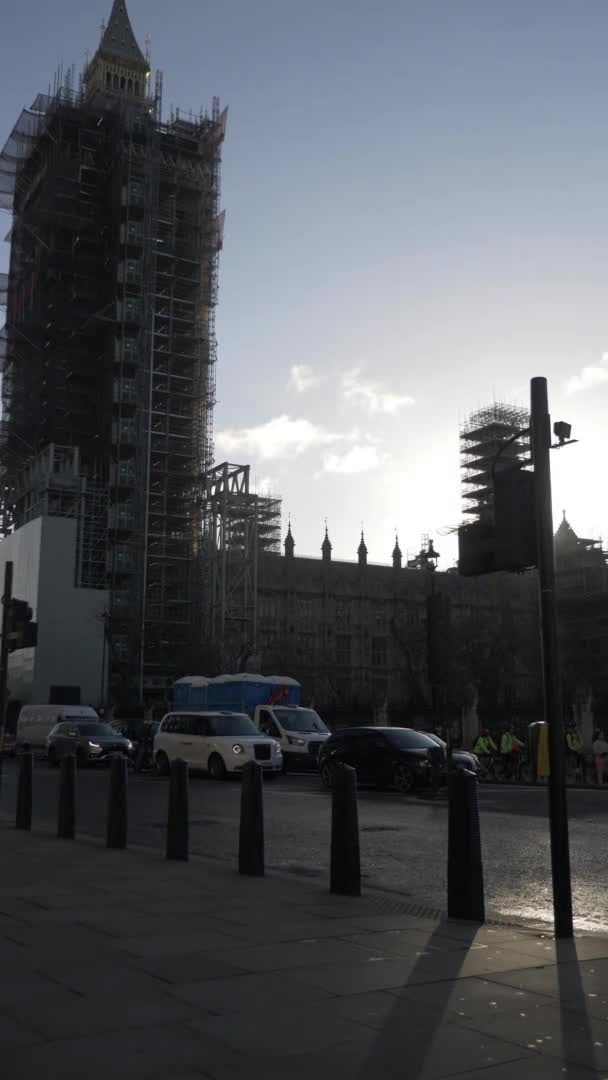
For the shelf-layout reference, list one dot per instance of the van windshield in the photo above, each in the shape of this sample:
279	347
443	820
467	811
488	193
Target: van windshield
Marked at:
232	724
304	721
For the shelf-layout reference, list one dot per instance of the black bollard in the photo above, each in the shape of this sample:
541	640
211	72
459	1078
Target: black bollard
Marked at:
23	819
66	817
177	818
116	834
345	874
465	867
251	832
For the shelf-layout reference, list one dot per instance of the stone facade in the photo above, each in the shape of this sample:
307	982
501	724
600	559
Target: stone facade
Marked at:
357	636
582	578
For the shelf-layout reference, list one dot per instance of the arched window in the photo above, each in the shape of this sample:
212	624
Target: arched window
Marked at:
108	78
116	82
130	86
136	89
122	83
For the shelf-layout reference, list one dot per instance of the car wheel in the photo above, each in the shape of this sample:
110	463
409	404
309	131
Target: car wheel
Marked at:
162	764
326	773
217	769
52	757
403	778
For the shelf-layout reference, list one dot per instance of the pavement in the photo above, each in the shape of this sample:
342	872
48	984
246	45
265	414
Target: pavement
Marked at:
122	964
403	839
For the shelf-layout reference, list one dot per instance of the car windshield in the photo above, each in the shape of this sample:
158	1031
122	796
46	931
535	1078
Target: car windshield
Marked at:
232	724
92	728
304	721
405	739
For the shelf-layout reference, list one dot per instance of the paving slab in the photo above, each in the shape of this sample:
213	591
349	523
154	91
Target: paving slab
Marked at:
234	996
142	969
427	1051
552	1031
473	997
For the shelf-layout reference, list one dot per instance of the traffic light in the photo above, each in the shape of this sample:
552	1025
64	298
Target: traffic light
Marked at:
22	632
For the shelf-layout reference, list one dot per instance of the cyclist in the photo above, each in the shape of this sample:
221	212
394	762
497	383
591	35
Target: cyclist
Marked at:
485	745
510	751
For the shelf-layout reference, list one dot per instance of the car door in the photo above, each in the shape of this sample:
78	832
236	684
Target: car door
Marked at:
68	739
182	738
198	740
59	739
354	753
169	737
379	759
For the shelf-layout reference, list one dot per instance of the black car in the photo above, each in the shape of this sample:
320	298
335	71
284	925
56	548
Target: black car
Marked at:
384	756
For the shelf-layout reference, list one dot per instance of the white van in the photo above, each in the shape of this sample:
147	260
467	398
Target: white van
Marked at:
300	732
37	721
218	742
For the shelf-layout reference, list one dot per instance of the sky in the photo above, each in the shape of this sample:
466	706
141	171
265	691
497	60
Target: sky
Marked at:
416	224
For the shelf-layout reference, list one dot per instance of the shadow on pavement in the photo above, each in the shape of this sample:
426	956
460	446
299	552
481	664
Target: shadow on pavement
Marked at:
414	1039
577	1036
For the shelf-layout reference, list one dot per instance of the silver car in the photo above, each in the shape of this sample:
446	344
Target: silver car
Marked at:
91	741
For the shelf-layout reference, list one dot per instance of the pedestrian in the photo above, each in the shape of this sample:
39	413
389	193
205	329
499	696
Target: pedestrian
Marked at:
600	750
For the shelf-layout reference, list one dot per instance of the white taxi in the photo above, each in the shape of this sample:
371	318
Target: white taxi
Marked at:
217	742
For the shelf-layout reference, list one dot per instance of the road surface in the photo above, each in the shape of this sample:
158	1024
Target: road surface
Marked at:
403	840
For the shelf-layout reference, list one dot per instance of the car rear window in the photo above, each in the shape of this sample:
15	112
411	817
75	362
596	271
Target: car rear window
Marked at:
404	739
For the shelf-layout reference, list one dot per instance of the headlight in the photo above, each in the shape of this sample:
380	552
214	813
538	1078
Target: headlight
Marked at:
277	746
129	745
237	748
291	739
94	745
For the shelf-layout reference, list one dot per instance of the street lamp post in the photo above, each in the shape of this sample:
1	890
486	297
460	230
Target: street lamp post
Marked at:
428	559
540	429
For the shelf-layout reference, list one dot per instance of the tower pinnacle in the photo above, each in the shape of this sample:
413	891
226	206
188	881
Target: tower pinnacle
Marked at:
119	66
118	41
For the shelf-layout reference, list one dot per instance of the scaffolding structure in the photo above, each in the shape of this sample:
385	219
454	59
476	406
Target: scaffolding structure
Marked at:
485	445
109	345
239	527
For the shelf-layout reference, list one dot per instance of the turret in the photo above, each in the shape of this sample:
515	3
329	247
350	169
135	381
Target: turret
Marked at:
326	547
362	551
289	543
396	554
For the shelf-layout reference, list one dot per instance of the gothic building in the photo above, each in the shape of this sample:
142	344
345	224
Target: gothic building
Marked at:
361	636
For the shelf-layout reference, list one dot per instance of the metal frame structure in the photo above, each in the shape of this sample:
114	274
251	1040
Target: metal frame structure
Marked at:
483	436
109	345
53	484
239	526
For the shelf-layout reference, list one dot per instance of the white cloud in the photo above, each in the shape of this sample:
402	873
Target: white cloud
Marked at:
371	395
358	459
276	437
588	377
302	377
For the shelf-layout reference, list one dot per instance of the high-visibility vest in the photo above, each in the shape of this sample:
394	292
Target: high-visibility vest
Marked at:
484	745
506	743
